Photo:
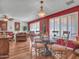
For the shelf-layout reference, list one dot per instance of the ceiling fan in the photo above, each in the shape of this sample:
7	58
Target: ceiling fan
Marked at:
69	2
6	18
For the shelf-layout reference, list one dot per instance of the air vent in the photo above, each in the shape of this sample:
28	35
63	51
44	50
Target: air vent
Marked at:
70	2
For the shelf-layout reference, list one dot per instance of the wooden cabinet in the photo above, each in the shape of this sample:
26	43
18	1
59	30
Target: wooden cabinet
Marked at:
4	47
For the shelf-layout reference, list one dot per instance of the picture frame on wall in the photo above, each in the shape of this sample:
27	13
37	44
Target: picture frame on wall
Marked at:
25	28
3	25
17	26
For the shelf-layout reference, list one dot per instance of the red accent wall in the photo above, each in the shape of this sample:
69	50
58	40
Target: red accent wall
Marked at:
78	22
47	25
40	25
60	13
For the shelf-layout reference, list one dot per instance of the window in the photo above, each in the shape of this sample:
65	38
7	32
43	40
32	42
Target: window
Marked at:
57	25
74	29
51	27
64	24
35	27
67	22
54	26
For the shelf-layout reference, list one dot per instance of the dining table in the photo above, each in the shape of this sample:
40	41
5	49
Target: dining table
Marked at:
46	42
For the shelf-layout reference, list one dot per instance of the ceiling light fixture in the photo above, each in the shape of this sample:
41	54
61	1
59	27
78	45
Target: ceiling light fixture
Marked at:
41	13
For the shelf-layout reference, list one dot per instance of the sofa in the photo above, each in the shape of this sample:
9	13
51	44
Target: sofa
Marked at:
22	36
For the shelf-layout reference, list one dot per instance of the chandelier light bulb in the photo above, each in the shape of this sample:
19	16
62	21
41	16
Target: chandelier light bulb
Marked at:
41	14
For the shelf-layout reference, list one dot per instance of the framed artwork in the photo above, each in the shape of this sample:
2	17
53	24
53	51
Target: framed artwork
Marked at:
25	28
17	26
3	25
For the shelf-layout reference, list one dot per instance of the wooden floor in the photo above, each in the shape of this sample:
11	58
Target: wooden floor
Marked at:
21	50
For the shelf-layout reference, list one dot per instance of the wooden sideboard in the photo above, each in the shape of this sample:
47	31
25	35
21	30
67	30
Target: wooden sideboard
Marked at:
4	47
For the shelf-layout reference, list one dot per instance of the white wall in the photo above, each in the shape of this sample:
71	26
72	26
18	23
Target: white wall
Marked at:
11	25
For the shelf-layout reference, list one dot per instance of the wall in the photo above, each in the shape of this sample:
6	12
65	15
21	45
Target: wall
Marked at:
78	22
11	26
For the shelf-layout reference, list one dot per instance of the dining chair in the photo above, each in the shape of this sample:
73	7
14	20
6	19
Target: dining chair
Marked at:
76	48
76	52
60	47
66	40
36	44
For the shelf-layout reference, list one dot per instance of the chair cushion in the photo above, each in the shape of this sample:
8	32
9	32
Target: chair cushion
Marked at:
40	45
76	51
70	44
60	42
57	47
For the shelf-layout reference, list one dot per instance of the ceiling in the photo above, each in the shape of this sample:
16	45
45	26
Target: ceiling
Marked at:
27	10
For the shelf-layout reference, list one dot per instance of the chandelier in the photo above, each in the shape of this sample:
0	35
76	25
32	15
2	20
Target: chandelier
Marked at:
41	13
